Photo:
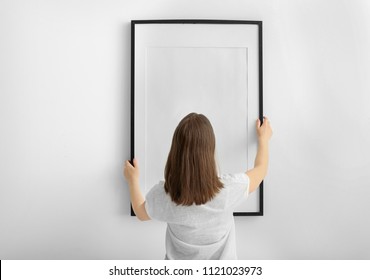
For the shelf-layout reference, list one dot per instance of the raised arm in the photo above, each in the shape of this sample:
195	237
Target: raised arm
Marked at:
259	171
137	199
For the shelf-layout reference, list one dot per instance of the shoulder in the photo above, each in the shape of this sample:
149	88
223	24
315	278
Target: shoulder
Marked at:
156	190
158	203
237	183
155	200
236	188
237	178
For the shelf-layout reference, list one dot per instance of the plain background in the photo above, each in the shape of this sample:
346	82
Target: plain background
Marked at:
64	127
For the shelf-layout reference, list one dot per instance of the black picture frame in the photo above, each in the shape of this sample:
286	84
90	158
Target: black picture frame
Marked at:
260	212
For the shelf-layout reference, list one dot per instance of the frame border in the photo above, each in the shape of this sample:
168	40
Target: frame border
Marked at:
198	21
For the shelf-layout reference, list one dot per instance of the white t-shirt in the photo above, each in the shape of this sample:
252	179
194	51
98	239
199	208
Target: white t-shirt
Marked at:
204	231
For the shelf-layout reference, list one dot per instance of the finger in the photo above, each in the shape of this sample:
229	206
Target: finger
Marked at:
124	168
135	162
258	123
128	165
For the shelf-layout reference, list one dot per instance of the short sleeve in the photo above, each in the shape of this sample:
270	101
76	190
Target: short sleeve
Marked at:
149	203
237	186
155	202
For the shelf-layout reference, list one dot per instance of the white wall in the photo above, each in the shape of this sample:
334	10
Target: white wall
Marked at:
64	128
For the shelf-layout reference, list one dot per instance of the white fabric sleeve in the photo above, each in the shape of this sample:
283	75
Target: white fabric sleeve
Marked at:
150	203
237	187
156	202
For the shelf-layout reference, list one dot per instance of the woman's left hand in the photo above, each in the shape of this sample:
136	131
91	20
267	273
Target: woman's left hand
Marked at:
130	172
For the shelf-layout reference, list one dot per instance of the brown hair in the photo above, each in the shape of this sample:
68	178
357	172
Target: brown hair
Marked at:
190	173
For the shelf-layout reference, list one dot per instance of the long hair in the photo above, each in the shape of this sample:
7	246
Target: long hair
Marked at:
190	172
